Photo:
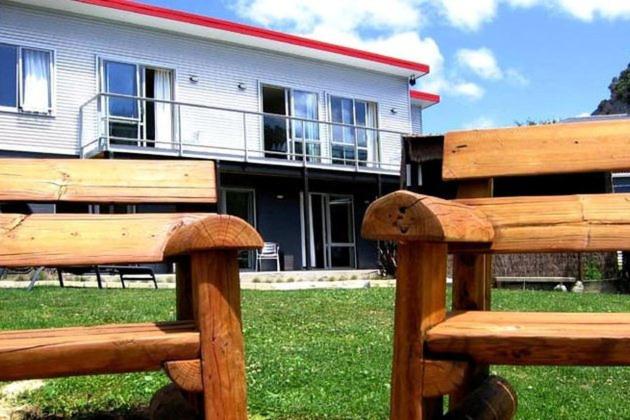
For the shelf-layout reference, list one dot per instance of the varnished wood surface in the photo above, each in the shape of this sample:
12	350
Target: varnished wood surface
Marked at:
107	181
441	377
407	216
472	284
186	374
601	146
31	354
82	239
535	338
420	304
493	399
215	277
599	222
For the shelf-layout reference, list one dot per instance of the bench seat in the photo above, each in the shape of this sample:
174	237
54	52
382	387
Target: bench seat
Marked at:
46	353
525	338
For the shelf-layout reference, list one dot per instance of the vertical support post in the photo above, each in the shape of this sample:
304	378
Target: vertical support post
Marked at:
217	178
179	130
472	283
215	278
245	137
420	304
307	229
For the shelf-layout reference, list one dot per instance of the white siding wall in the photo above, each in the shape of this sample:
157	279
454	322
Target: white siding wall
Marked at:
78	42
416	120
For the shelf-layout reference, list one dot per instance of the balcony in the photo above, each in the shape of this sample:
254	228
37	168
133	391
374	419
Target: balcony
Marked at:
139	125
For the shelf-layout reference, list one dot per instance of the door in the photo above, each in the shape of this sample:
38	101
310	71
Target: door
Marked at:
331	225
241	202
123	114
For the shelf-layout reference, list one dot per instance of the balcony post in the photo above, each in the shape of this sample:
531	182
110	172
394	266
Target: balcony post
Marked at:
245	136
179	130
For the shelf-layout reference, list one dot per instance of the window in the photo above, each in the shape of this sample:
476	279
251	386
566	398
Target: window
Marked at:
134	121
357	144
26	76
285	137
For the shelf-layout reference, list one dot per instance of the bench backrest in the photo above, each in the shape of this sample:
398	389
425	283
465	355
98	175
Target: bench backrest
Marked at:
107	181
81	239
597	146
576	223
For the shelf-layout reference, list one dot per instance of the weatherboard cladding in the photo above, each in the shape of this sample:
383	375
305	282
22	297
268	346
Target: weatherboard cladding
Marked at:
78	41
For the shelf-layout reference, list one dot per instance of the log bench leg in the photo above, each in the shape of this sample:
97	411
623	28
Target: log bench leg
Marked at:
420	304
216	282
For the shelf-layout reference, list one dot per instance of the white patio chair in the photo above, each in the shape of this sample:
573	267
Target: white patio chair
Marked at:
270	251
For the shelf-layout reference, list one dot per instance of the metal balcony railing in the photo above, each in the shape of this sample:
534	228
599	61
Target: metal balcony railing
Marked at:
134	124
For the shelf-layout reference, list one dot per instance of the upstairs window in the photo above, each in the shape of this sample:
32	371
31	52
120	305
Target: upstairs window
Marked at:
354	134
26	79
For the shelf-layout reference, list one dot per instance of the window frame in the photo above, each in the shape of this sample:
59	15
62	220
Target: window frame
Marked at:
140	67
19	83
289	105
367	128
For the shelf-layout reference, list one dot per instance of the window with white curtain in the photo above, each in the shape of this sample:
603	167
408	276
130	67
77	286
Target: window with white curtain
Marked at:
26	79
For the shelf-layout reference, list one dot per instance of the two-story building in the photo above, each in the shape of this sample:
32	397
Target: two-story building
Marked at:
305	133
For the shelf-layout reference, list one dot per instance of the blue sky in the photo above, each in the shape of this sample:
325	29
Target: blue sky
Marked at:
493	62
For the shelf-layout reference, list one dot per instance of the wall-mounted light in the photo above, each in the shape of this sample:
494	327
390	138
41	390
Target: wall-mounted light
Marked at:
393	111
193	78
242	86
280	197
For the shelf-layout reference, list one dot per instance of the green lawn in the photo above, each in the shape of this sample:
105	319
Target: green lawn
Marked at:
311	354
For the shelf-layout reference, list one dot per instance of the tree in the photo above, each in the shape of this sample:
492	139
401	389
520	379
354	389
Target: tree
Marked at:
619	102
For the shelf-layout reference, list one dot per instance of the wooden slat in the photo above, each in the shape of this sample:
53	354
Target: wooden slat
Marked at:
556	223
407	216
601	146
521	338
56	240
107	181
30	354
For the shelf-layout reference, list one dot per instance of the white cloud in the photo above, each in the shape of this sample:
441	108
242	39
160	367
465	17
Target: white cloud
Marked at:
467	14
470	15
305	15
481	122
590	9
480	61
516	77
469	90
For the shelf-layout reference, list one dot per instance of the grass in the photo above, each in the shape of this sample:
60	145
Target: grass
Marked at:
310	354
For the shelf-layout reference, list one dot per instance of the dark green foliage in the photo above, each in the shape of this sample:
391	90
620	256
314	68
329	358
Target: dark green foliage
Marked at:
619	101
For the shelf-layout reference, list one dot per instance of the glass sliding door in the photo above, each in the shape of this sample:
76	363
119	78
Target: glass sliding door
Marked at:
305	133
340	246
331	227
287	138
358	144
275	101
133	121
241	202
123	114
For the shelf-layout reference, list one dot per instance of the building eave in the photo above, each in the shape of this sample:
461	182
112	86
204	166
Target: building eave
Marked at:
155	17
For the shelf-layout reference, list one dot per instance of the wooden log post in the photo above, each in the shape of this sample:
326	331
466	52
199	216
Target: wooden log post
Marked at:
424	227
420	304
494	399
472	283
216	280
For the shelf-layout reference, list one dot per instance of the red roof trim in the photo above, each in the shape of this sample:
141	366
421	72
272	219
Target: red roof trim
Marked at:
177	15
424	96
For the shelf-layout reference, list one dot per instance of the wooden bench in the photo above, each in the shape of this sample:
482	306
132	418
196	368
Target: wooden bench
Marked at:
205	346
438	354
